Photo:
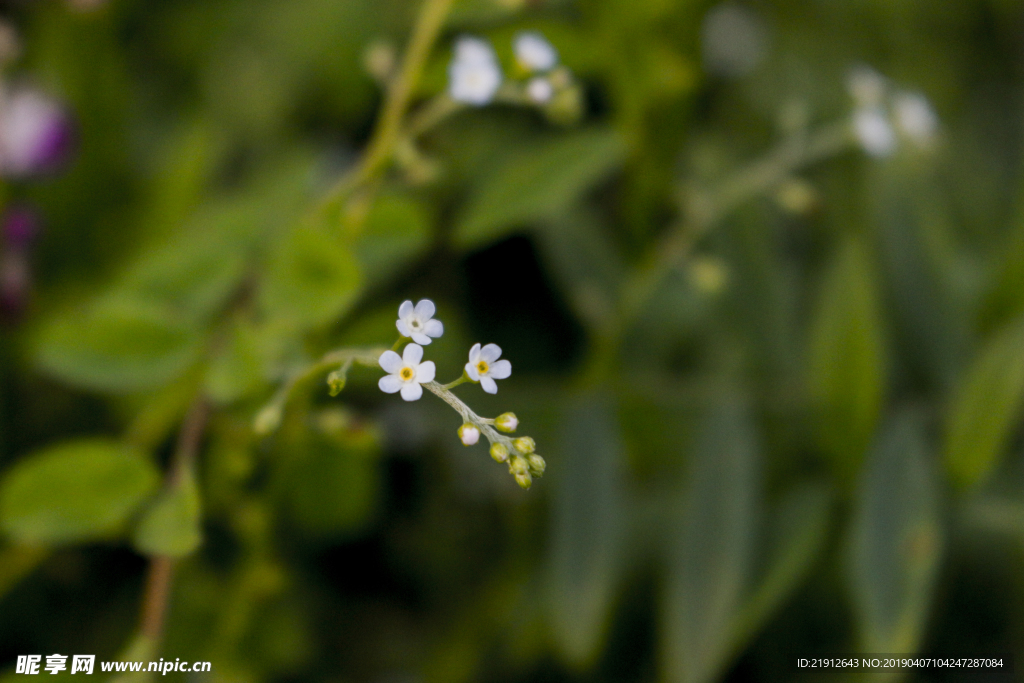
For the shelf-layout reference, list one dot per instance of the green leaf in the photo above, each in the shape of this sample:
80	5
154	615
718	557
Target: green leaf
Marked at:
171	526
797	534
312	278
896	539
542	180
712	556
117	346
986	409
396	231
847	364
76	491
587	525
238	368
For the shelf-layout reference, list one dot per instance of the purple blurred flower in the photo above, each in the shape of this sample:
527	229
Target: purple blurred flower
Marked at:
18	230
36	133
20	227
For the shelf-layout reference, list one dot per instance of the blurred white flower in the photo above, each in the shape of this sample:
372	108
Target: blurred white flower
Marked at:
874	132
534	52
484	366
734	40
915	117
406	372
35	133
473	74
540	90
866	86
418	322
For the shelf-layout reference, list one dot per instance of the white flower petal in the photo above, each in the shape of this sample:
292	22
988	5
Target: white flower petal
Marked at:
412	354
471	50
403	329
501	369
390	362
474	354
411	391
488	384
434	328
534	51
425	373
425	309
420	338
405	310
491	353
389	384
874	132
471	372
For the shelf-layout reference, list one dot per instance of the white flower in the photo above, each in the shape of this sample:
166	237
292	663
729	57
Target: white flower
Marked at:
484	366
534	52
915	117
539	90
874	132
407	372
473	75
469	434
866	86
418	322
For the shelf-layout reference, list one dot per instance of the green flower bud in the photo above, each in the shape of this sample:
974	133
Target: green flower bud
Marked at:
336	382
499	452
518	466
524	480
506	422
537	464
524	444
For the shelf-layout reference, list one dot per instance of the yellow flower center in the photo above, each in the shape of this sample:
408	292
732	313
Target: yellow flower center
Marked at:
482	367
406	373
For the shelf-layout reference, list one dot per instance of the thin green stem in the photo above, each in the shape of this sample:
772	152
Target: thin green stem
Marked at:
481	423
460	380
389	124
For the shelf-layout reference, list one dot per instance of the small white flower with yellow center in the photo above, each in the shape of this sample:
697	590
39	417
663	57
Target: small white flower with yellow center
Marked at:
473	75
484	366
407	372
534	52
418	322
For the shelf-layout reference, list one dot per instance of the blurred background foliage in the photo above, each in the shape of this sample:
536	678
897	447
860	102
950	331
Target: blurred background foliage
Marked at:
778	380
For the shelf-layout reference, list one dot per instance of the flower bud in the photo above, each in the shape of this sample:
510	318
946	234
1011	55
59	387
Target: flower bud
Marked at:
469	434
336	382
536	464
506	422
518	465
524	480
524	444
499	452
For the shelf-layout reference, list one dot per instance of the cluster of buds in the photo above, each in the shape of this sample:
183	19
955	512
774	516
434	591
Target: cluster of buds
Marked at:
883	115
475	76
408	374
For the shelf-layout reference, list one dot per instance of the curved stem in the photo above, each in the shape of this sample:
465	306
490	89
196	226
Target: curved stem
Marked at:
481	423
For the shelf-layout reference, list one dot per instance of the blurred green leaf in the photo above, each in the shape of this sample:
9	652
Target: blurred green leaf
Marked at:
332	490
847	363
586	527
396	230
540	181
117	346
171	525
238	368
896	538
986	408
312	278
75	491
710	560
796	535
